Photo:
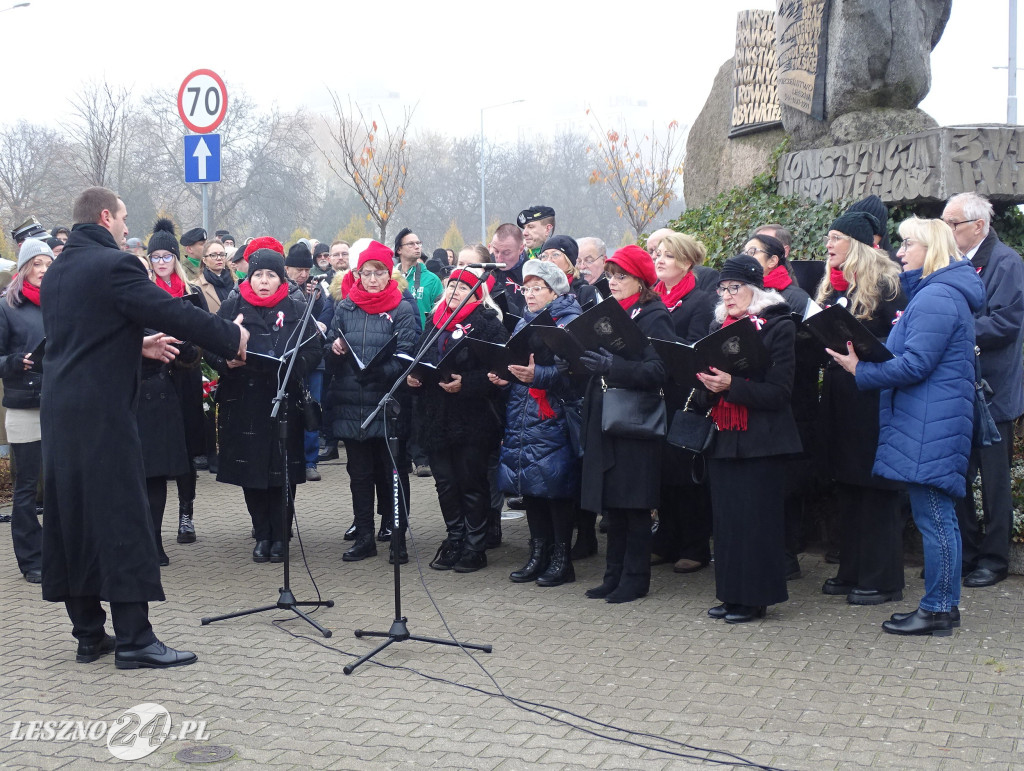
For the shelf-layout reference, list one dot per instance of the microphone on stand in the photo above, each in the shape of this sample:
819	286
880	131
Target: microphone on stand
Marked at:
486	265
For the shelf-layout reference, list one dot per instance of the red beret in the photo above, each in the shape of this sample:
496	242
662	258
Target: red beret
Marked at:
375	250
264	242
636	262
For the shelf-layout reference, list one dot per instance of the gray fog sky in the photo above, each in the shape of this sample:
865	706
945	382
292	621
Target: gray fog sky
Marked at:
646	62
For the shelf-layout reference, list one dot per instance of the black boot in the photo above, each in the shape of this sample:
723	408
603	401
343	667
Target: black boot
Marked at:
363	547
586	536
535	565
277	551
448	555
350	534
560	570
261	552
186	529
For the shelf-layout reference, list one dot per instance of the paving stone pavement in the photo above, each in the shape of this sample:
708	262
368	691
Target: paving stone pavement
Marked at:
816	685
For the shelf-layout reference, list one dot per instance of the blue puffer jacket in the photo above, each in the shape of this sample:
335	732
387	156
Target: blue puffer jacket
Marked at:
926	406
536	456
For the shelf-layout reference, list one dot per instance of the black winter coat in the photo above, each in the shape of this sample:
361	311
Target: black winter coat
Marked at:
97	301
771	429
850	416
475	414
348	402
250	452
161	423
21	330
623	473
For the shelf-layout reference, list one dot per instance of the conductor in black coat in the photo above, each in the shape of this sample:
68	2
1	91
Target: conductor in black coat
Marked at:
98	542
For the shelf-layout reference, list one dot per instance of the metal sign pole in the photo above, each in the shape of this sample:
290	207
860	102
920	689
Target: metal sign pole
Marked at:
206	208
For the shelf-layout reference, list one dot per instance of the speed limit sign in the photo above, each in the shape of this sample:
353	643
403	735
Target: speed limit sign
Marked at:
202	101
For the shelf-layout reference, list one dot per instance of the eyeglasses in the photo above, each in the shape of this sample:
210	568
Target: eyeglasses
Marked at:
589	260
752	251
834	239
961	222
731	289
217	255
616	277
907	244
161	258
412	243
529	290
374	273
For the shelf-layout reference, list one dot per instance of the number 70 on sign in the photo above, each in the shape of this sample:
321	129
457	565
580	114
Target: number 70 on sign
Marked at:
202	101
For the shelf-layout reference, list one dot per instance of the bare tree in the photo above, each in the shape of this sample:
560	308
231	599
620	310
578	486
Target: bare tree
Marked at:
32	158
369	157
99	131
639	170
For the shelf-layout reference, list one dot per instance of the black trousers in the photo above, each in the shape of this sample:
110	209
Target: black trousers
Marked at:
684	529
871	538
265	509
26	532
987	543
367	462
463	492
187	484
130	621
156	492
550	519
628	557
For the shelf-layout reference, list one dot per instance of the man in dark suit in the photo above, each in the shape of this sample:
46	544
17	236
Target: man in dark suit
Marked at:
98	539
999	333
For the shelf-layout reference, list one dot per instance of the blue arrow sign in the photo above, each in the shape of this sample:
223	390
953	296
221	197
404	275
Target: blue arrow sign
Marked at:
202	157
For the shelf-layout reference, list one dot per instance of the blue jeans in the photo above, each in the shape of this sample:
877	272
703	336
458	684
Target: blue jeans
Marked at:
943	550
311	439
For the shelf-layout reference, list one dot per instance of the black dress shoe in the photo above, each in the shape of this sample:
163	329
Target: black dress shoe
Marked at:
921	622
624	592
384	534
720	611
600	592
470	561
984	577
403	555
163	559
88	653
277	551
954	615
330	452
350	534
363	547
153	656
832	556
741	614
34	576
515	504
262	552
833	586
872	596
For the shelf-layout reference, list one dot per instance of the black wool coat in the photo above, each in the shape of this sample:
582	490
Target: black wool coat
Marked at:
771	429
21	330
250	451
161	423
97	302
621	473
476	414
850	416
349	402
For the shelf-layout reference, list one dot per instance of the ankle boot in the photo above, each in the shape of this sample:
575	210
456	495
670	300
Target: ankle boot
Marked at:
363	547
448	555
560	569
535	565
186	529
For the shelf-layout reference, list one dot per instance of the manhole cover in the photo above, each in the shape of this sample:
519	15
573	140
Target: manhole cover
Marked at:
204	753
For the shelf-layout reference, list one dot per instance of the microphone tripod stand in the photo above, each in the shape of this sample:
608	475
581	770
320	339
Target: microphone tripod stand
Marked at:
399	631
286	600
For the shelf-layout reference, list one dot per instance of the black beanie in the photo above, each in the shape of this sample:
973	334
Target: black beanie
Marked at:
299	256
873	205
267	259
743	268
163	238
858	225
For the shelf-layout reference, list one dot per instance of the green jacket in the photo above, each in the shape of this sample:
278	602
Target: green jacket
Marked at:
426	288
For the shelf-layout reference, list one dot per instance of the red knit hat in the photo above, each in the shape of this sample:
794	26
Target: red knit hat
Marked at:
264	242
375	250
466	277
636	262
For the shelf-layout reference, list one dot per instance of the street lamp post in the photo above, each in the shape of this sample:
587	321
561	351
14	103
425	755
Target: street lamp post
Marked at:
483	184
1011	68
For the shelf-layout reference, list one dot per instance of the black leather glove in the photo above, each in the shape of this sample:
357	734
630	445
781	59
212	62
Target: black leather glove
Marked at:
598	362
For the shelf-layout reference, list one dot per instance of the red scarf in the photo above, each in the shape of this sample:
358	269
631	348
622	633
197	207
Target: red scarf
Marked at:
838	280
30	293
729	416
176	287
252	298
629	302
387	299
445	319
778	278
673	297
543	405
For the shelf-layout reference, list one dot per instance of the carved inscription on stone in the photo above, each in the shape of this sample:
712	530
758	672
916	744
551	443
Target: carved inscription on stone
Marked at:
930	166
755	97
801	34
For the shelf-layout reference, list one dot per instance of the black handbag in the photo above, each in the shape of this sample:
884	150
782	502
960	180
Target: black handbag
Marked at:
692	431
630	414
312	414
986	433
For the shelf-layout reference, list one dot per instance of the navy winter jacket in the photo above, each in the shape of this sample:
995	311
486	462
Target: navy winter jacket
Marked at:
926	405
537	458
